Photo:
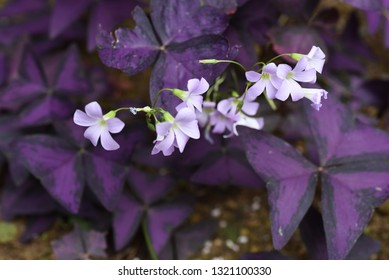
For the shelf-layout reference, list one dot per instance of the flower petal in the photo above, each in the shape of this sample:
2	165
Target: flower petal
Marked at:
93	133
181	139
162	129
93	110
202	87
82	119
283	92
224	106
115	125
193	84
253	76
296	90
307	76
301	65
191	129
250	108
257	89
270	68
283	70
185	115
166	143
107	141
270	90
196	101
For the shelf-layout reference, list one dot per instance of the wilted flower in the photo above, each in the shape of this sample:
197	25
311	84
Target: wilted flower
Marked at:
99	126
175	132
315	95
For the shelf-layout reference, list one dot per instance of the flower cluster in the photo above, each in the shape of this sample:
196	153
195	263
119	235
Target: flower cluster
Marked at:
280	82
213	113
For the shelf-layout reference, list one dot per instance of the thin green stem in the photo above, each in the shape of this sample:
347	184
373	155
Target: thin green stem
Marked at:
259	63
158	94
278	56
227	61
271	103
153	255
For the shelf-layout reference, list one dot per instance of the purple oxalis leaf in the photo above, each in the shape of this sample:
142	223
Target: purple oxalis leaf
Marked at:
368	5
296	8
49	94
105	13
291	181
36	225
228	157
348	201
188	240
53	161
162	220
149	187
66	12
178	21
355	176
126	220
191	238
131	51
180	63
105	178
183	45
30	198
313	236
80	244
295	39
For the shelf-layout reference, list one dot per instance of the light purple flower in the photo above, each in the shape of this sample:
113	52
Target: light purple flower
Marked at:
193	97
223	118
99	126
248	121
290	78
204	116
315	95
315	59
227	117
266	80
175	132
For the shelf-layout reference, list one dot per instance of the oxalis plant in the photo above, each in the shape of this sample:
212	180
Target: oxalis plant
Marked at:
241	93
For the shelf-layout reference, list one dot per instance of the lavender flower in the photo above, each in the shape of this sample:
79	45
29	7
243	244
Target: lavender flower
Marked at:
266	80
193	96
315	59
228	117
315	95
290	78
175	132
99	126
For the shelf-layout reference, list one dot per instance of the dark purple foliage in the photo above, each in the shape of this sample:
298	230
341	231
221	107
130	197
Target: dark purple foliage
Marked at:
104	13
353	173
80	245
46	93
49	171
185	32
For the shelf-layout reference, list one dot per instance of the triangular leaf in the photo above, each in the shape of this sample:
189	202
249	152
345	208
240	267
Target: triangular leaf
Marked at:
162	220
80	244
291	181
126	220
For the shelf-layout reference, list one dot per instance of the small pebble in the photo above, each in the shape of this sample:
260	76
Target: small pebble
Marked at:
216	212
223	224
243	239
